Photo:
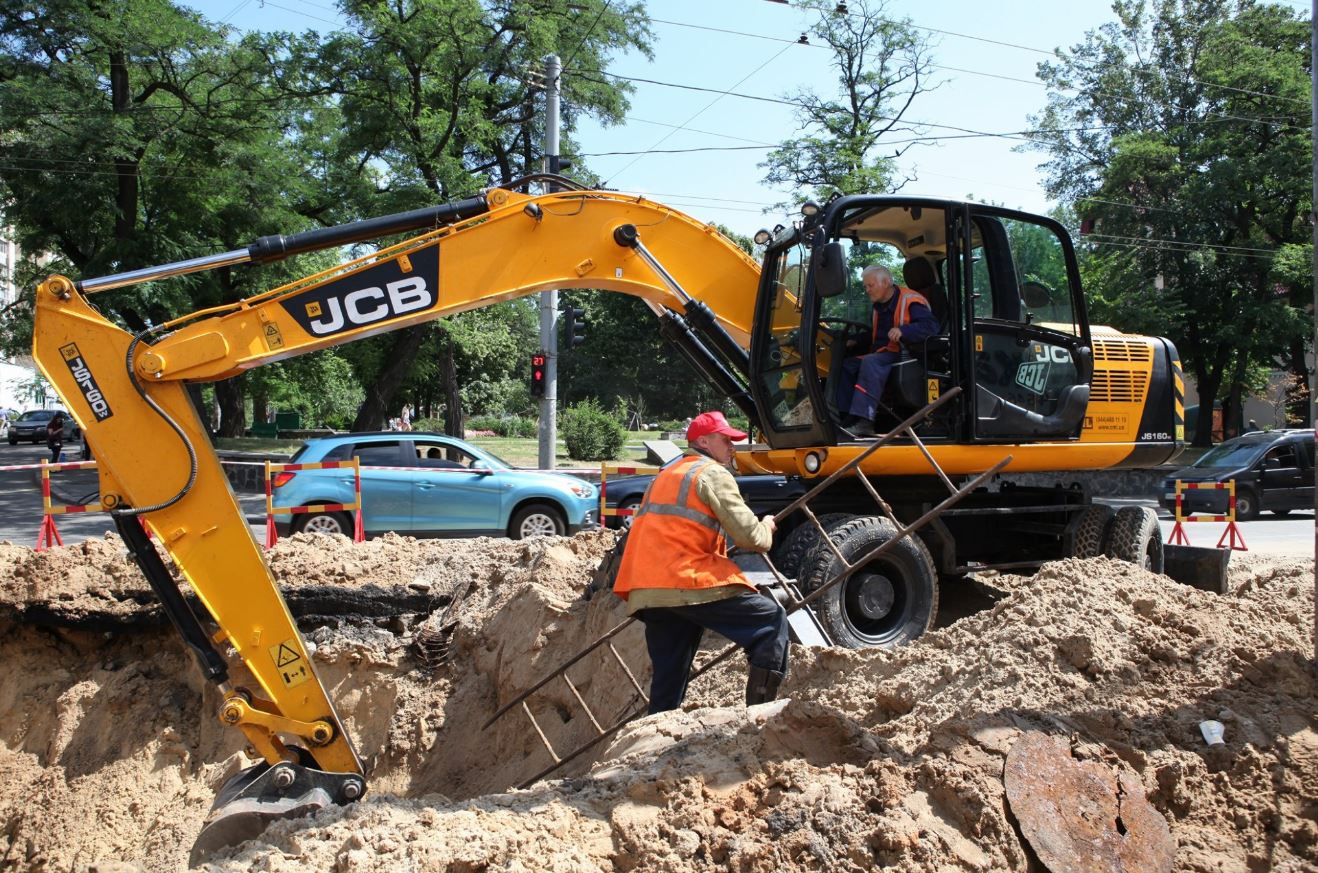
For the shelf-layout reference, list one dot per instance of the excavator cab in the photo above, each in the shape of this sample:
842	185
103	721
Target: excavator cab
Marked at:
1003	285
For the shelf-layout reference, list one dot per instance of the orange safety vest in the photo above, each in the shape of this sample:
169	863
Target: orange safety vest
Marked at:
676	540
906	298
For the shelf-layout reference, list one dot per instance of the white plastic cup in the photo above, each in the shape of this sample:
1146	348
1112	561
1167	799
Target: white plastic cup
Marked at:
1212	731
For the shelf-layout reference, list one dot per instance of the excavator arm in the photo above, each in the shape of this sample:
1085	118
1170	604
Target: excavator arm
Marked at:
128	394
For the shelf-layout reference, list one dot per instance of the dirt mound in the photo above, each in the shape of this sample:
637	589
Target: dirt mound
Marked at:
890	759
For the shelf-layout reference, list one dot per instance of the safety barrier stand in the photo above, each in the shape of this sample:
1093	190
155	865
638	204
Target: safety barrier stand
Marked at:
1231	536
623	470
48	535
358	532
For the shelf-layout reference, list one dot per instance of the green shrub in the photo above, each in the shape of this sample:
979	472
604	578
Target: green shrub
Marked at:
429	425
590	433
504	425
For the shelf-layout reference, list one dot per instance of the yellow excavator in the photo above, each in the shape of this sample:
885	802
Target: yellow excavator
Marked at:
1036	381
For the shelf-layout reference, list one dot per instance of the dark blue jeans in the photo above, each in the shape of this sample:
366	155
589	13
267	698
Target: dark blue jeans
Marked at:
862	382
672	636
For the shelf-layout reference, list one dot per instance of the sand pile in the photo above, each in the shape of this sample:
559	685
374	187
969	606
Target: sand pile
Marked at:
108	751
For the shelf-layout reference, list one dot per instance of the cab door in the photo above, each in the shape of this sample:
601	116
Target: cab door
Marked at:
1028	331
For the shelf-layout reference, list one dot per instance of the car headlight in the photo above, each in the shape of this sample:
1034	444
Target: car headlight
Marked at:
583	489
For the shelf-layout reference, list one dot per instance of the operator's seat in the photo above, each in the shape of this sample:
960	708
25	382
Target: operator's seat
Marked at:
920	276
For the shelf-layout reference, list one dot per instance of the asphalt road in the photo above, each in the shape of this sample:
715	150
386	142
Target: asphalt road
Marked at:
20	499
20	511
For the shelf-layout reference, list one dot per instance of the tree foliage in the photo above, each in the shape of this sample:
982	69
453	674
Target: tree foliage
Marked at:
882	65
1181	130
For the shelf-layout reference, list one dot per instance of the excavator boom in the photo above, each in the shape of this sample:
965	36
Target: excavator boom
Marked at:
128	394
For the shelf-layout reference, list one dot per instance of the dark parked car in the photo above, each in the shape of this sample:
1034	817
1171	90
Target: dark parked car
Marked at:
31	427
763	494
1273	471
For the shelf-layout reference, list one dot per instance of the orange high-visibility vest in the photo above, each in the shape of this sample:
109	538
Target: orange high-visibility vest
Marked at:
676	540
906	298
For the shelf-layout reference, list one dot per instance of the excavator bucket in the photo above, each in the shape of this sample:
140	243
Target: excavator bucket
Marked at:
254	798
1197	566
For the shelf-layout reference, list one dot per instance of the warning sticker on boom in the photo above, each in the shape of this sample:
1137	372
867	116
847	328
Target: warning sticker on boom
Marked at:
293	669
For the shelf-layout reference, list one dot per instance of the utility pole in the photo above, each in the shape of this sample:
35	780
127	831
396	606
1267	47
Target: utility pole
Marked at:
1313	218
548	431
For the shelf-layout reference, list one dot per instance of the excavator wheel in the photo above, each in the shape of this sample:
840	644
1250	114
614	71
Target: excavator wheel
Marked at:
1136	537
1090	535
889	601
791	553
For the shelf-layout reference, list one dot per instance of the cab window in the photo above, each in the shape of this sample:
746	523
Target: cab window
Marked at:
1019	274
781	365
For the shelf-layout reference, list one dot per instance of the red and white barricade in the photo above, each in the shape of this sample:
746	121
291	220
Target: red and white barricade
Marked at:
1231	536
622	470
358	532
48	535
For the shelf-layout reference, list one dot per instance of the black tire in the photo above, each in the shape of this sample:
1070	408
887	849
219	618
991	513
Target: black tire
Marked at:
1089	540
625	521
323	523
798	543
1135	536
13	440
537	520
1247	505
889	601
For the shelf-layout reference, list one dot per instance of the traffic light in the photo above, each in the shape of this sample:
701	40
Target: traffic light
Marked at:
574	331
538	374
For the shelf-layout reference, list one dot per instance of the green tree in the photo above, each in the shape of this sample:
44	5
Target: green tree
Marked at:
137	134
883	64
1181	129
436	104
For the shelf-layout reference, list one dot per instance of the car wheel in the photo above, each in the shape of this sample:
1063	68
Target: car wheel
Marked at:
537	520
1136	537
323	523
890	600
13	440
1247	505
625	521
1091	532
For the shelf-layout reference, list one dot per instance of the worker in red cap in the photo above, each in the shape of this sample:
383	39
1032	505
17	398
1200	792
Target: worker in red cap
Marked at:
677	578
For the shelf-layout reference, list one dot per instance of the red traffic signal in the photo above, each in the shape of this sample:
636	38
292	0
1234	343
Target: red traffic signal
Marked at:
538	374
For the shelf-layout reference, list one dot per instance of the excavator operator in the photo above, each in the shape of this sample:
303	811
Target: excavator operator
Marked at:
677	578
899	316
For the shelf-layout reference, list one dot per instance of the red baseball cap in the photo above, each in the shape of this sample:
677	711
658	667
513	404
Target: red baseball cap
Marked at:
711	422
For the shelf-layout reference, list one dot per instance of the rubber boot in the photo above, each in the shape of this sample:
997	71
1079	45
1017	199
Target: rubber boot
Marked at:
762	685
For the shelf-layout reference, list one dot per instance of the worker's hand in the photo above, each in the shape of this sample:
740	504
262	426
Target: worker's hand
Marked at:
773	525
895	334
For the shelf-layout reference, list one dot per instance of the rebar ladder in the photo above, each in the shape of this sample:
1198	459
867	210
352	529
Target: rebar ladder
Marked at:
791	599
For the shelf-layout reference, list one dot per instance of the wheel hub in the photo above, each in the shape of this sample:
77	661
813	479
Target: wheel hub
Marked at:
873	595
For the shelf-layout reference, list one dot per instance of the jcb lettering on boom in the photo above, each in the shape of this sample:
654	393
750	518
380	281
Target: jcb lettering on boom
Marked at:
95	399
376	295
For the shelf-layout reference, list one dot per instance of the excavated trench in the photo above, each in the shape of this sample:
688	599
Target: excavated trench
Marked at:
110	753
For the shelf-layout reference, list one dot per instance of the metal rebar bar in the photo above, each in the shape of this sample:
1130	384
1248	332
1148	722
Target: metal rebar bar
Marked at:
623	664
535	724
577	694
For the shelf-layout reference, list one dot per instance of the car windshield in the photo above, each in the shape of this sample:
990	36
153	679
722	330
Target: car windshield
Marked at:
36	415
1229	455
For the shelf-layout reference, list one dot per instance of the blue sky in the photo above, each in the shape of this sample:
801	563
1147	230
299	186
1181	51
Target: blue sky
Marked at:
986	56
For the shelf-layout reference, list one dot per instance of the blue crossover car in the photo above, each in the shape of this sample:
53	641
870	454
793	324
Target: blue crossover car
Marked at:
427	485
